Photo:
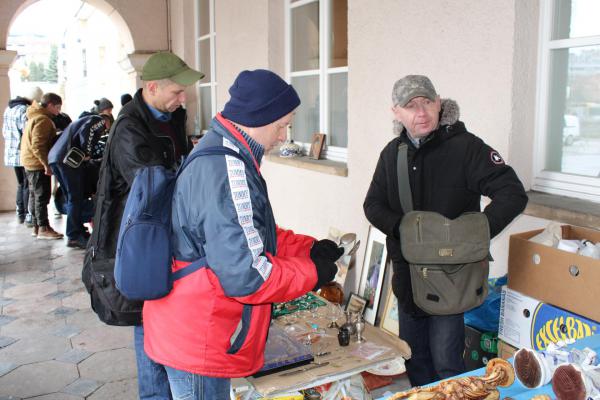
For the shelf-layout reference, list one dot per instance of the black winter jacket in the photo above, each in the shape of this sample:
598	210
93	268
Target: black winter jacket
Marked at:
135	141
448	174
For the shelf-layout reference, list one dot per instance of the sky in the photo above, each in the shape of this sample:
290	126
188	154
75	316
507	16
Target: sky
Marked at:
46	17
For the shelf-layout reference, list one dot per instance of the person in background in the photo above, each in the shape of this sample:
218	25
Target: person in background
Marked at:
84	135
150	130
125	98
213	325
61	121
104	107
15	118
449	170
38	138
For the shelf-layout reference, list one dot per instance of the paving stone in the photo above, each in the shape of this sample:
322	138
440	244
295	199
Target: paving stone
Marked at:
32	326
64	311
108	366
82	387
6	367
59	294
67	331
79	300
6	341
103	338
9	398
6	319
4	301
74	356
27	307
85	319
28	277
37	379
56	280
56	396
6	285
122	390
30	290
35	349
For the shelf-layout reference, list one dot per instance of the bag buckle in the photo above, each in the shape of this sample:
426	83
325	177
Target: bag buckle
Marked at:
445	252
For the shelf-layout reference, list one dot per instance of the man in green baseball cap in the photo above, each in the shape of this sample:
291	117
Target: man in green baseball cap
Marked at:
150	130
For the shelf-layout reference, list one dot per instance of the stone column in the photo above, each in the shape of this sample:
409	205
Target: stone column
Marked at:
133	65
8	182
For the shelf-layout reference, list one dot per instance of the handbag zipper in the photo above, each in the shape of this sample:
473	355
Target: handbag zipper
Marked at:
419	233
424	272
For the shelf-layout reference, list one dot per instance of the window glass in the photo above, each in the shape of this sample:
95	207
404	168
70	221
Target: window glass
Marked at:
338	110
204	58
573	121
338	54
205	108
576	18
305	37
203	17
306	120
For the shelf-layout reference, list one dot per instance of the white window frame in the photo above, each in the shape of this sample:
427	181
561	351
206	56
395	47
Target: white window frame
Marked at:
331	152
211	37
552	182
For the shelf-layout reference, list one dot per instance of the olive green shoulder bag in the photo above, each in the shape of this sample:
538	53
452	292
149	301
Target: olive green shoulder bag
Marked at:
448	259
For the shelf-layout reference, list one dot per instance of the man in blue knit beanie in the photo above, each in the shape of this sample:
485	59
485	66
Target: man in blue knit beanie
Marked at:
213	325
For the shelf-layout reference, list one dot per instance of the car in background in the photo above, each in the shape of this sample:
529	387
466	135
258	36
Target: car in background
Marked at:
571	131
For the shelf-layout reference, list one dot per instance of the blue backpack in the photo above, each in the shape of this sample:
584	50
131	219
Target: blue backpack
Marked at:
144	253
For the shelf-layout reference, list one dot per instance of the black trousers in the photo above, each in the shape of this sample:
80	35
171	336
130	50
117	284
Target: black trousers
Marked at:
40	189
22	192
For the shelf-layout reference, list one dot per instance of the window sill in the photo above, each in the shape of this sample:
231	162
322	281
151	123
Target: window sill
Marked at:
324	166
563	209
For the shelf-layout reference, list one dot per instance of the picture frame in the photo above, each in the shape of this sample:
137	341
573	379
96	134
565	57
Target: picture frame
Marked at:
373	271
316	145
356	303
389	319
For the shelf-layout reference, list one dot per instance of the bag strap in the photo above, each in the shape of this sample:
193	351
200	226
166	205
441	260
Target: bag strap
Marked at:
403	181
209	151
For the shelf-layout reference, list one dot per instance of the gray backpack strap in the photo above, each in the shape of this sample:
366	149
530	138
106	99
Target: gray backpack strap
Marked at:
403	181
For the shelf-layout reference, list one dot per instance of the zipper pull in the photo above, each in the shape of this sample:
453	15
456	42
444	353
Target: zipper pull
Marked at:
424	271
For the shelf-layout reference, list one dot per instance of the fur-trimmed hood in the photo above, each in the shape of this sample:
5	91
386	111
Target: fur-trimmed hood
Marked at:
449	114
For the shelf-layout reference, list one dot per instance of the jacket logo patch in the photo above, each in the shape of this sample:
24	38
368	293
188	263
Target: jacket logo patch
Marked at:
496	158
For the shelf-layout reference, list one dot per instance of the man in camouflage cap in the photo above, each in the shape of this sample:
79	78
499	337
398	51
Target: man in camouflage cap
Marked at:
449	170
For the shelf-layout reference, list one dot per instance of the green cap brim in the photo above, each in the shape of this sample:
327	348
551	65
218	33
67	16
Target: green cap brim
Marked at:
187	77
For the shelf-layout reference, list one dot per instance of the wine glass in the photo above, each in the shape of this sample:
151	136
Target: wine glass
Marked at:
335	311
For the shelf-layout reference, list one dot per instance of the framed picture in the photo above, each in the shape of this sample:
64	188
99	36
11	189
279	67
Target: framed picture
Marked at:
373	269
389	319
356	304
316	145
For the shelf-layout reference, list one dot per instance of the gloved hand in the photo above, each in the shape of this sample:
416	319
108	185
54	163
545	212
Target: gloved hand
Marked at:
326	249
326	270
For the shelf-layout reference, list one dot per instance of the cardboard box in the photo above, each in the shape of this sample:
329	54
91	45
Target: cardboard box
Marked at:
566	280
505	350
480	347
527	322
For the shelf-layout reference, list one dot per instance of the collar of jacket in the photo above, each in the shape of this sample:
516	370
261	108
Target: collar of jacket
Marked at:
238	136
449	115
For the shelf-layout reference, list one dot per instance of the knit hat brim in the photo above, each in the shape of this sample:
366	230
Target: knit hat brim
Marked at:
280	106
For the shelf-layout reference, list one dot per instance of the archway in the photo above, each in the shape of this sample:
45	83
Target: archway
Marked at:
13	9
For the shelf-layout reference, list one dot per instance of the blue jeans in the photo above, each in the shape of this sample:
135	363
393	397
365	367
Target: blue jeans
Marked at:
189	386
71	182
437	343
153	383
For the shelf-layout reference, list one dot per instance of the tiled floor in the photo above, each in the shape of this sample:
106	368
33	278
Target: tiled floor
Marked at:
52	346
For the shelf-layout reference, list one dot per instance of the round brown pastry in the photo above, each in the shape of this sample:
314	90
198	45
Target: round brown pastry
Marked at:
527	368
503	365
567	383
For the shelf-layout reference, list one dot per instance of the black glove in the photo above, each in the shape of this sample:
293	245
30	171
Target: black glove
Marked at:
326	270
326	249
